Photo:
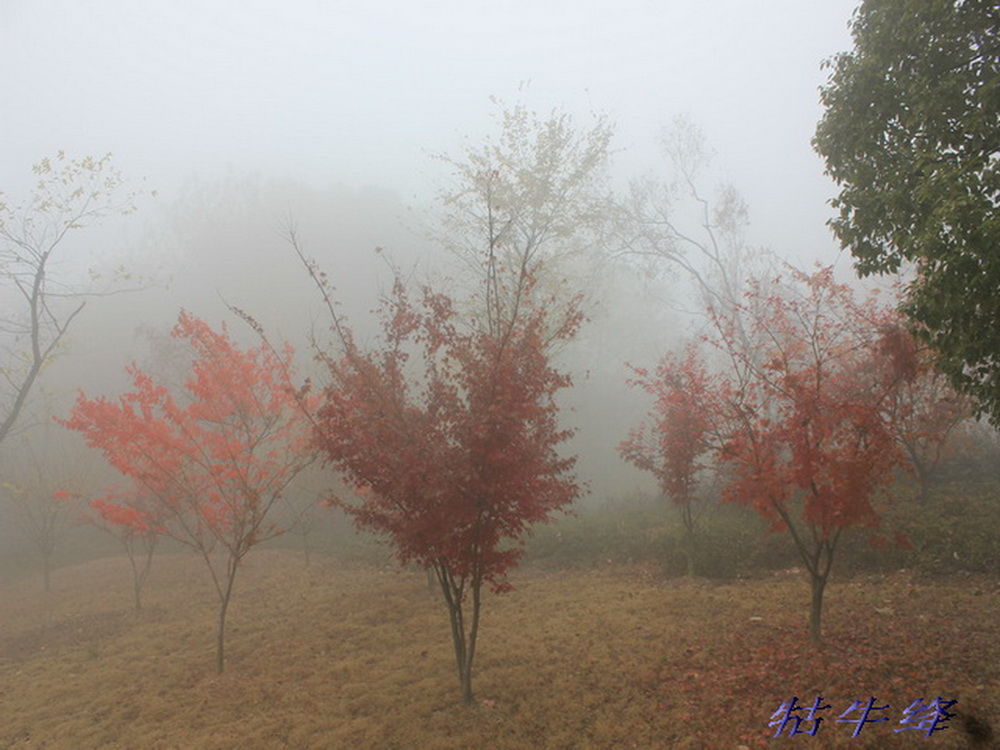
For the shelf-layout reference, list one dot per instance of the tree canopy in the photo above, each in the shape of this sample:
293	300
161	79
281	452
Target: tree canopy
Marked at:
533	204
212	461
37	306
450	437
807	439
911	134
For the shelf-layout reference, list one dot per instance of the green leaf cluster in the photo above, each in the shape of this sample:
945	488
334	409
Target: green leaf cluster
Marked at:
911	135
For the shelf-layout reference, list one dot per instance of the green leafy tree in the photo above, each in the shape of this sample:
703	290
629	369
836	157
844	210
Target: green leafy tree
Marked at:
911	134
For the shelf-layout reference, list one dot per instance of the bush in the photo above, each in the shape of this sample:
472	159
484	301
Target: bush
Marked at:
631	530
957	529
730	541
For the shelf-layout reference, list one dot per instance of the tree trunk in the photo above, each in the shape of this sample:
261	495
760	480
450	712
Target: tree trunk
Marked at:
136	586
463	640
140	572
471	650
226	595
220	640
818	585
689	552
688	519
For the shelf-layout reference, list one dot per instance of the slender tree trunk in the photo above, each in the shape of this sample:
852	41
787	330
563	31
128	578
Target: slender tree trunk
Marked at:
471	648
458	639
220	638
920	470
136	583
463	640
687	516
689	552
220	641
818	561
818	585
45	539
140	573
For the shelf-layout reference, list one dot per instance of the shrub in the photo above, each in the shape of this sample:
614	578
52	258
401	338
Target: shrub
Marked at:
957	529
730	541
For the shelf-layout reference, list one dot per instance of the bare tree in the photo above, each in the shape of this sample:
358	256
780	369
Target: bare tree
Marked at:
35	465
38	307
703	235
528	211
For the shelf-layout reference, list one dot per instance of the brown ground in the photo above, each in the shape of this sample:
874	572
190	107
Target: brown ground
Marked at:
334	656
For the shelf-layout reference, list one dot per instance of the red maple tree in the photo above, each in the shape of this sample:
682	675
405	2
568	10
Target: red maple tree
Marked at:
449	436
134	519
809	442
674	443
213	464
925	410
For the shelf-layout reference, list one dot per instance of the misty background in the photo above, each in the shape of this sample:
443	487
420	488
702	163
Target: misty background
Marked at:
236	121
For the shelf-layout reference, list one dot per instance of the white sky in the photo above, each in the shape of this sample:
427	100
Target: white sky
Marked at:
361	92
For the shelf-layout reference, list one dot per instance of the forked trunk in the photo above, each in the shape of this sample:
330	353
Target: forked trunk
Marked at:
463	638
140	571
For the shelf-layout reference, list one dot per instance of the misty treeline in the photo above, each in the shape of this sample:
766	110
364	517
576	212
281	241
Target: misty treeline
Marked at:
448	376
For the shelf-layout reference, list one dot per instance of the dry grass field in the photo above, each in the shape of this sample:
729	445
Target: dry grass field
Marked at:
334	655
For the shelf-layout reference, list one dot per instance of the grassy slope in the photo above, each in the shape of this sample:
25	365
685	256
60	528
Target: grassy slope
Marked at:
336	656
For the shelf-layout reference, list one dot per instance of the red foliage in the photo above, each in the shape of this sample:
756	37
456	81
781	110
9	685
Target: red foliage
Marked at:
924	409
217	463
449	437
809	438
129	514
677	434
214	464
806	417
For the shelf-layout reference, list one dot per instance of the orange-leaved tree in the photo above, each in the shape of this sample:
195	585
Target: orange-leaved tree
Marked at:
134	518
450	437
809	442
215	460
676	440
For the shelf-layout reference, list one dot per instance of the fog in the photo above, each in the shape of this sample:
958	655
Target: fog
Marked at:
239	126
360	93
245	120
236	123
